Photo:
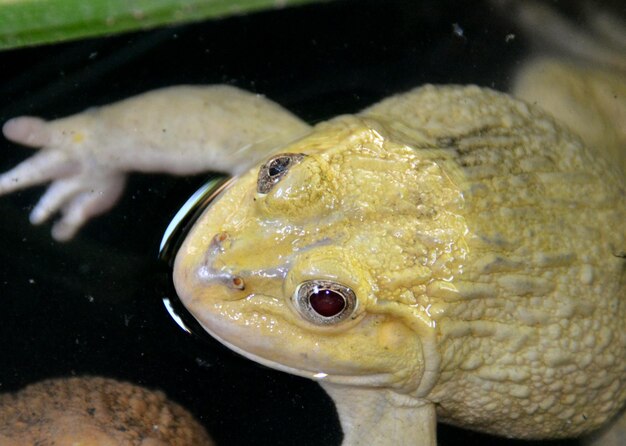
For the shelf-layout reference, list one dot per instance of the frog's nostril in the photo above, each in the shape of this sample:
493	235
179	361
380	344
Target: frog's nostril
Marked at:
220	240
237	283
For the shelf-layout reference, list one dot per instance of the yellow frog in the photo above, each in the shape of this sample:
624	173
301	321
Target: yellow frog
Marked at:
450	253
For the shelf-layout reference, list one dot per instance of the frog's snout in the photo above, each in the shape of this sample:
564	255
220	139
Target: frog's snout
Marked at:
213	277
220	241
210	272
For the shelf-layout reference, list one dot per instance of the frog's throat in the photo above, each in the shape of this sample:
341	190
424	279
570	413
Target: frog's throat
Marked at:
425	328
371	380
418	386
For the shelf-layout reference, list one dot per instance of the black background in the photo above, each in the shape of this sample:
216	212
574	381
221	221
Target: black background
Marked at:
92	306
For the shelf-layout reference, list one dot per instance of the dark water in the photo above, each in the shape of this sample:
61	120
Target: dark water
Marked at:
92	306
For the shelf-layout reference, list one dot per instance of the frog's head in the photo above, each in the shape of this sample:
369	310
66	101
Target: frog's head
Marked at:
318	261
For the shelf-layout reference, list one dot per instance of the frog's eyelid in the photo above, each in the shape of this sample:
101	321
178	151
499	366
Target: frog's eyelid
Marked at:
276	168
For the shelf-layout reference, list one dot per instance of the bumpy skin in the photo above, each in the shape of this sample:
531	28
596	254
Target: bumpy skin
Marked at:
482	240
530	326
92	411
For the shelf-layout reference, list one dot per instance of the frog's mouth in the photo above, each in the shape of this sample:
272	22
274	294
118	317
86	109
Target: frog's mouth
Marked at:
371	380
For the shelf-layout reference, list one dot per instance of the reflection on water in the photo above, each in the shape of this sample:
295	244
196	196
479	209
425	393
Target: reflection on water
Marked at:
93	305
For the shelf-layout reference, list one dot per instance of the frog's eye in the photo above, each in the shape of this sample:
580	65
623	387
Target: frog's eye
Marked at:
274	169
323	302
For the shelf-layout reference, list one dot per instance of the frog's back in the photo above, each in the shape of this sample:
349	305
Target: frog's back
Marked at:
532	332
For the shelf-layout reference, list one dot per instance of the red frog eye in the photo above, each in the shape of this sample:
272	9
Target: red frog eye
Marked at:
327	303
324	302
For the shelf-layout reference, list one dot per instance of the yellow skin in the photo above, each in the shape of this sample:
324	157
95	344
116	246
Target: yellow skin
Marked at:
485	257
483	241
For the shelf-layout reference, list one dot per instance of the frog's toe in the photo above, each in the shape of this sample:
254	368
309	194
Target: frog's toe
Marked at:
82	205
608	25
37	169
27	130
58	193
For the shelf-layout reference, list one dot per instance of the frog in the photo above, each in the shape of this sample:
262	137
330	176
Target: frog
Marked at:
451	253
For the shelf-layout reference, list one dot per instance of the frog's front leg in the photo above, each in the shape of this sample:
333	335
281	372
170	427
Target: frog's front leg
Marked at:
178	130
375	416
